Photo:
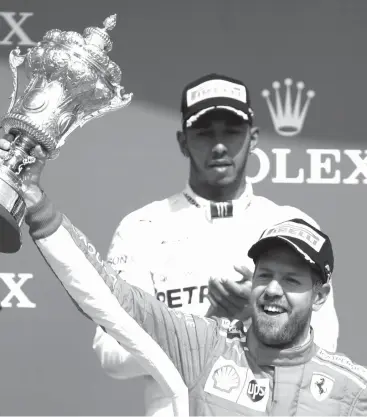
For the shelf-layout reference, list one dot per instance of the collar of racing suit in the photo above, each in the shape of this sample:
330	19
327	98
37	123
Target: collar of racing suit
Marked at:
215	209
266	356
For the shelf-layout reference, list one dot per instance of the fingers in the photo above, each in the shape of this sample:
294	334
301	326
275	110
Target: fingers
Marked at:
213	304
230	298
239	289
215	311
3	154
32	173
39	153
9	137
223	298
245	272
4	144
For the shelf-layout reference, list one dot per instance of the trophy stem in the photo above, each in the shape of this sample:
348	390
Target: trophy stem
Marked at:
18	155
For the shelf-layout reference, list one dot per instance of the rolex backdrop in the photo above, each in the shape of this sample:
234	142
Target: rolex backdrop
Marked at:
305	64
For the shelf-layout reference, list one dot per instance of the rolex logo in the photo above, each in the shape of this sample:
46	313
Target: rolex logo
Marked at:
288	117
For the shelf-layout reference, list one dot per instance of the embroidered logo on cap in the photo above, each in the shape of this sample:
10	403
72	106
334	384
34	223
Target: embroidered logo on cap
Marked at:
298	231
216	88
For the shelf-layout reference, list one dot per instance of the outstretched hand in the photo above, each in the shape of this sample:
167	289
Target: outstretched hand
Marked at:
229	298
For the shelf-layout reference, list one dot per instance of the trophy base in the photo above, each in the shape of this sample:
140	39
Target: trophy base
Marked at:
12	213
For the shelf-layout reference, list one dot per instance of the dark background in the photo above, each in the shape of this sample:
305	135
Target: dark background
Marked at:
129	158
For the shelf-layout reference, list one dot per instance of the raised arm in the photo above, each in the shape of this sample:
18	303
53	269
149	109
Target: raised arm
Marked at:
123	310
126	256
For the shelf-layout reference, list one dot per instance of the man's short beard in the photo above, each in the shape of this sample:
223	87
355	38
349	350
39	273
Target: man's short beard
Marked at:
288	335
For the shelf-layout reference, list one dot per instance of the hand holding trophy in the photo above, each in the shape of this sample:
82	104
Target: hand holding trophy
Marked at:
71	81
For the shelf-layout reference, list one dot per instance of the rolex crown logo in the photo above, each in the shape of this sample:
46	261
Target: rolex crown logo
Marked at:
288	117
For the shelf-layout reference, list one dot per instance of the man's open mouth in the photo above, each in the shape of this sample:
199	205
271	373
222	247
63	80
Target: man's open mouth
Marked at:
272	310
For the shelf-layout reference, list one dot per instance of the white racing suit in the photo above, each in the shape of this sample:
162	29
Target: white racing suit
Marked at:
172	247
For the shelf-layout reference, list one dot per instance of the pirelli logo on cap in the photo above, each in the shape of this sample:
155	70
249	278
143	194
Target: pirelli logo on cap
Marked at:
298	231
216	88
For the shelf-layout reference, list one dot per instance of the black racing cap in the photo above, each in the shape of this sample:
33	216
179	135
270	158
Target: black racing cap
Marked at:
214	91
313	245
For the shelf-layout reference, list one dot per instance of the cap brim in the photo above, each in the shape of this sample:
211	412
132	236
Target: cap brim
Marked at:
268	243
192	119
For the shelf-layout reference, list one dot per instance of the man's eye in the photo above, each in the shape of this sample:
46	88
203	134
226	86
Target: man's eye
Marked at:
204	133
292	281
264	276
233	131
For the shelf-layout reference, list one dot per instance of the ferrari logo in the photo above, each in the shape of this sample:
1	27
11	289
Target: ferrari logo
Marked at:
321	386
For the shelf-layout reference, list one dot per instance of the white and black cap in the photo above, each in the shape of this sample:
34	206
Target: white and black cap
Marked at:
310	243
214	91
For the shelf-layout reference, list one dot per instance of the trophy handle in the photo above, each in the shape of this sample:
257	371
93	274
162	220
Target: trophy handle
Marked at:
118	102
15	60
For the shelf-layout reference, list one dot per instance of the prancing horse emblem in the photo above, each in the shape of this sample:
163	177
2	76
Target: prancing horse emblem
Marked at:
321	386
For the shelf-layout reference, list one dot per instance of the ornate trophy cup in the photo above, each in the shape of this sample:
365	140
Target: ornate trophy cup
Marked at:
71	81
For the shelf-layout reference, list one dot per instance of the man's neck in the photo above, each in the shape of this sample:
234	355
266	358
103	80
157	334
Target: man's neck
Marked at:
218	193
298	343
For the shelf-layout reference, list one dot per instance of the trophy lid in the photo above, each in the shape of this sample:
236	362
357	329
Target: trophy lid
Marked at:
99	37
93	46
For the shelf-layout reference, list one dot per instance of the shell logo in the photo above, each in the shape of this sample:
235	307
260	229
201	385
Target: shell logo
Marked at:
226	379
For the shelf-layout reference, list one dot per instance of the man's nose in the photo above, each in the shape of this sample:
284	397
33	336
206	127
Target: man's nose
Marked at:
274	289
219	149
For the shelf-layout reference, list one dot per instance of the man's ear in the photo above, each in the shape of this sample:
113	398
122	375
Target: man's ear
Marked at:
182	143
320	296
254	135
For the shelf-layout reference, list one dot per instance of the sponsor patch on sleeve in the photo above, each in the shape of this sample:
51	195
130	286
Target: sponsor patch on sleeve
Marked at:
344	362
117	260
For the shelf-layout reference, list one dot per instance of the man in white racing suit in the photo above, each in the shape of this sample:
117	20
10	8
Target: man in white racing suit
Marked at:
178	247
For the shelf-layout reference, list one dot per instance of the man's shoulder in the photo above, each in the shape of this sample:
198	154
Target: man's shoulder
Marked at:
276	213
154	211
351	378
343	366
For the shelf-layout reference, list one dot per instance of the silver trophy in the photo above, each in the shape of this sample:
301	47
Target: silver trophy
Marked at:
71	81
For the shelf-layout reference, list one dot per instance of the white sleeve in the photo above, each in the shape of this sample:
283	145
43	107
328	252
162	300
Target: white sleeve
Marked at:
117	362
325	324
127	252
126	256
